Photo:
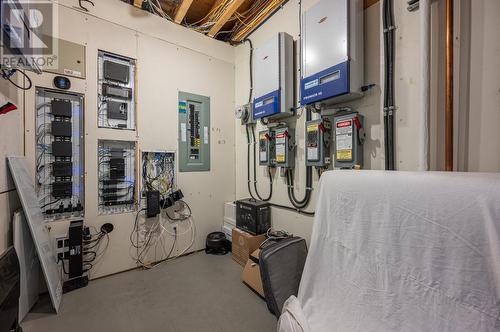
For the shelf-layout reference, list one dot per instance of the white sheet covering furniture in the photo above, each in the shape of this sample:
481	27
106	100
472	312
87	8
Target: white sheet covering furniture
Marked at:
400	251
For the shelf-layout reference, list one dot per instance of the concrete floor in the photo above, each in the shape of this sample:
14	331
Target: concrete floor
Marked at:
195	293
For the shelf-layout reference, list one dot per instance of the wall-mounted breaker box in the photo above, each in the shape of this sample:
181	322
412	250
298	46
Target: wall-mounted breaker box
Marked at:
332	52
349	139
267	148
274	77
285	147
318	135
194	132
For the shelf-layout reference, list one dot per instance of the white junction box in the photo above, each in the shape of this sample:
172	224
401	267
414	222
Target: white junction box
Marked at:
332	52
273	72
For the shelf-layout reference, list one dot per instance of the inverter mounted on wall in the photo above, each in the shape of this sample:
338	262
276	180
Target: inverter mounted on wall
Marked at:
274	70
332	52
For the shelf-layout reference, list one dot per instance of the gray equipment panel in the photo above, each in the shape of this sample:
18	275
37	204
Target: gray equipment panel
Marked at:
318	142
348	146
285	147
29	201
266	148
194	132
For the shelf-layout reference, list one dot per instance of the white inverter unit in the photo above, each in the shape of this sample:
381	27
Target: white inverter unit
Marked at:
332	52
274	73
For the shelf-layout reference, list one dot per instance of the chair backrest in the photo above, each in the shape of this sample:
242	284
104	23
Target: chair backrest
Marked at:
9	289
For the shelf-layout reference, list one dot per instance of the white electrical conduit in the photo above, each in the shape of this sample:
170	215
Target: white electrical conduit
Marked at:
425	87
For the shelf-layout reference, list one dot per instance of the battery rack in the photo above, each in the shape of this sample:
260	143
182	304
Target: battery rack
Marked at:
158	173
116	91
59	153
117	183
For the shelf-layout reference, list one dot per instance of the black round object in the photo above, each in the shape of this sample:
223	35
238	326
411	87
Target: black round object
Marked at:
62	82
217	244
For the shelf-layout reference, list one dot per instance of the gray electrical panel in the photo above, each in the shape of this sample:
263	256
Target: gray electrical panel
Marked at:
318	142
285	147
267	148
194	132
349	139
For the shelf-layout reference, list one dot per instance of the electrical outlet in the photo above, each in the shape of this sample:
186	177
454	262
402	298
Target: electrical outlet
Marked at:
61	247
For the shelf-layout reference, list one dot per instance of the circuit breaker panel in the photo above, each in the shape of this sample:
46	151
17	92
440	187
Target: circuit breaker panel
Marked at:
116	95
158	173
349	139
267	148
116	170
318	142
59	153
285	147
194	132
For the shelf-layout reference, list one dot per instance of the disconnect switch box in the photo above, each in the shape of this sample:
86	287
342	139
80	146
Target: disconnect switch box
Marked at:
285	147
318	142
349	139
266	148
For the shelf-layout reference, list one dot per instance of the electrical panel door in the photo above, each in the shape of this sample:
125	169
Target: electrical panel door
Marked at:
194	132
59	153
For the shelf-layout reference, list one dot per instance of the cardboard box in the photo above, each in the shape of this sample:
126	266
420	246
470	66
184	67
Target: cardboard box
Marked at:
251	274
243	244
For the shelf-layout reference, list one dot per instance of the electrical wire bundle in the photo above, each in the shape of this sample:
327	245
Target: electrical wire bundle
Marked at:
256	13
158	172
389	107
149	236
93	250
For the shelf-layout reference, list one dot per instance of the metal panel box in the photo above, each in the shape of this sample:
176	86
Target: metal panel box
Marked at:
274	77
285	147
318	142
349	138
194	132
266	148
332	52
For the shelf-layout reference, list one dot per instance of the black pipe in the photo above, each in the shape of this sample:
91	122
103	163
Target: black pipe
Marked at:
268	198
248	164
389	109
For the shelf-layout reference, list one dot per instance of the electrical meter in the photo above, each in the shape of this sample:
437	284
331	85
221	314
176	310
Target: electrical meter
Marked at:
285	147
318	142
266	148
349	139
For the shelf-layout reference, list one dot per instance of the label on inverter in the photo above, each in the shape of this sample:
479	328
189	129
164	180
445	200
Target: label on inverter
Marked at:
343	140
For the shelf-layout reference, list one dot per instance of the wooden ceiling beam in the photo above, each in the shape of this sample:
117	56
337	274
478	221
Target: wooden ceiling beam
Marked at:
256	21
182	10
228	13
138	3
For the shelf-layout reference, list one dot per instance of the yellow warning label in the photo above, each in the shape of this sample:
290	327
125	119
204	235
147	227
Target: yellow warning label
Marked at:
312	127
344	155
280	158
262	136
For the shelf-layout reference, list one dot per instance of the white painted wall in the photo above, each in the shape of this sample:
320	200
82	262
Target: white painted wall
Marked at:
169	59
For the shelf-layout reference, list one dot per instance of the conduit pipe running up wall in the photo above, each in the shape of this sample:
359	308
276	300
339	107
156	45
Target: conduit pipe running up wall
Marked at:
425	60
448	144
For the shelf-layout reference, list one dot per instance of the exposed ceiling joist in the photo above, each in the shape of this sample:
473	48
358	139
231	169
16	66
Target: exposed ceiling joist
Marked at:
138	3
182	10
228	13
255	23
